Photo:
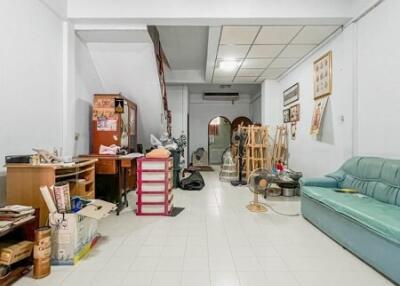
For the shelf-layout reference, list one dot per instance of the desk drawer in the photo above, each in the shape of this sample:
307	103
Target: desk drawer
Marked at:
106	167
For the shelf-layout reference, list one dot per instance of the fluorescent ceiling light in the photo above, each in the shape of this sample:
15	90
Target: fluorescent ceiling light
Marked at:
228	65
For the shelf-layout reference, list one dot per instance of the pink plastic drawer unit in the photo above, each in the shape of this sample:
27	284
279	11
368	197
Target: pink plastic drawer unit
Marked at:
155	198
154	186
155	176
154	210
152	164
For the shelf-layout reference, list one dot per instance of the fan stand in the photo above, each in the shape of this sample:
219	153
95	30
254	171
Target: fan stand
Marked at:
255	206
239	182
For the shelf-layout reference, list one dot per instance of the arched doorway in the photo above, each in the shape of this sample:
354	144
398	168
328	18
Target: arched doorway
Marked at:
241	120
219	138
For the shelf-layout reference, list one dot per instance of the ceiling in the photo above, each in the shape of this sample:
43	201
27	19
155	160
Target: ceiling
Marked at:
185	46
264	52
250	89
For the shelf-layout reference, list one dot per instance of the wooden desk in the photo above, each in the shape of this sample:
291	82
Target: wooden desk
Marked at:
115	177
24	182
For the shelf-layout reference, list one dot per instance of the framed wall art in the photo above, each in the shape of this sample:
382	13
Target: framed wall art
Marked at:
295	113
319	110
323	76
293	130
291	94
286	115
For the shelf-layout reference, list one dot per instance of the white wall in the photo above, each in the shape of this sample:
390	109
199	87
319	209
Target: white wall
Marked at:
30	79
130	68
378	65
201	112
57	6
86	85
178	103
362	109
325	153
255	109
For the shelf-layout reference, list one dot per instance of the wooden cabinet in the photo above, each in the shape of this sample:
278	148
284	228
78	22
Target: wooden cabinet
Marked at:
24	182
114	121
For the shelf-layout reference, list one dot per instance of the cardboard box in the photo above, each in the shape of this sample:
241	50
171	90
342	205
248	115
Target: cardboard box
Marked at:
15	252
74	234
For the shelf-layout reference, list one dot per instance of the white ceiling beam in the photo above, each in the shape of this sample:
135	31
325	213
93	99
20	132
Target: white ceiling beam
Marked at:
214	34
197	12
184	76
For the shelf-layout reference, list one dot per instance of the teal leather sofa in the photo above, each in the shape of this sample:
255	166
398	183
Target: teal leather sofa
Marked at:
366	223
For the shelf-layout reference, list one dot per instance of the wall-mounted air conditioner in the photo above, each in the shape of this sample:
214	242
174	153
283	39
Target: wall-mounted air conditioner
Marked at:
221	96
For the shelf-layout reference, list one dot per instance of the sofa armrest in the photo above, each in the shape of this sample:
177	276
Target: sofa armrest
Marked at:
323	182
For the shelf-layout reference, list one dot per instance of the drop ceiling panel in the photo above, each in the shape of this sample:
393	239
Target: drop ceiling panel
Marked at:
232	52
238	34
277	34
249	79
273	73
256	63
265	51
283	62
296	51
314	34
250	72
223	73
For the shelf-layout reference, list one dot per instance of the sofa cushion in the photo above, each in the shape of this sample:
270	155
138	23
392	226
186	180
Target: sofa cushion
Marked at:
375	177
382	218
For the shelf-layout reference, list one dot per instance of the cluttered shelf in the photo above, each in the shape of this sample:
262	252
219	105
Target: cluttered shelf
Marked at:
5	231
17	226
71	174
25	180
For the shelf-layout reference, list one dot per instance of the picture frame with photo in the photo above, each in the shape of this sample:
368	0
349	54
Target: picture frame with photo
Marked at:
286	115
295	113
291	94
318	114
293	130
323	76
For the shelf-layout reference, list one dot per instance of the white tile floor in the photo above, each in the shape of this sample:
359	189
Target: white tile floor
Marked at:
214	241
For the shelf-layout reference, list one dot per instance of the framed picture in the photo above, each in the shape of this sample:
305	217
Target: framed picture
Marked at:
295	113
291	94
323	76
119	105
318	114
293	130
286	115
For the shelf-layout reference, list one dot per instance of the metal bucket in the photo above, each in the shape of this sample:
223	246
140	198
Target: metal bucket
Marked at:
286	192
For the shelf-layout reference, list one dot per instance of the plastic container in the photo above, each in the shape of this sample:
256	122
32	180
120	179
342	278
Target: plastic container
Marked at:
154	188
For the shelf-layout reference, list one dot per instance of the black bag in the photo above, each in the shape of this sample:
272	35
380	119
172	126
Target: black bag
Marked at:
194	182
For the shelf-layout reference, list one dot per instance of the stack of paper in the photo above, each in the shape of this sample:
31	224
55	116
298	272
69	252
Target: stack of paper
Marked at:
15	215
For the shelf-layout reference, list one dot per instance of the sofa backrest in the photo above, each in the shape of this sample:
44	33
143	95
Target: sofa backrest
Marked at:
375	177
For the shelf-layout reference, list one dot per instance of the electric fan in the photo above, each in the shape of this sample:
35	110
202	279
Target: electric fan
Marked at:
258	183
239	138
